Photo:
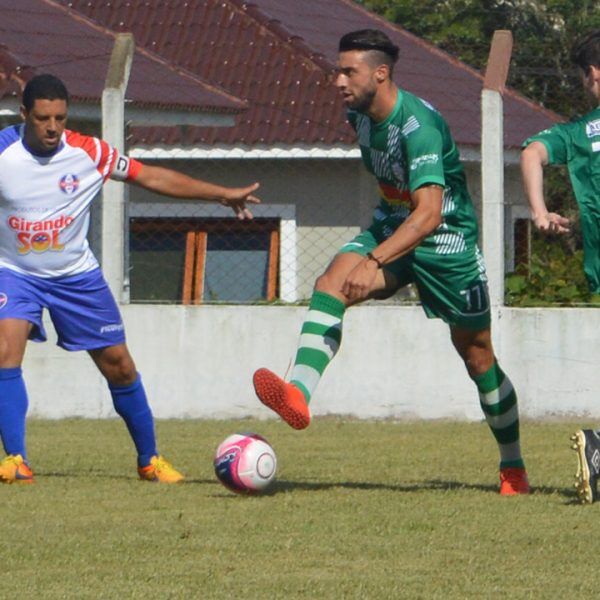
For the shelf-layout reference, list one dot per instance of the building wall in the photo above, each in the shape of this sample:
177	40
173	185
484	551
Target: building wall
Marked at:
197	362
333	200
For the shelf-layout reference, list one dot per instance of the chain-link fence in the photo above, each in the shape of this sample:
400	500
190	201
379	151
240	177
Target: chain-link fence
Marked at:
192	252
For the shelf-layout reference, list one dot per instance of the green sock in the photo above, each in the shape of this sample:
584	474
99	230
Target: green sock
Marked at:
320	339
499	403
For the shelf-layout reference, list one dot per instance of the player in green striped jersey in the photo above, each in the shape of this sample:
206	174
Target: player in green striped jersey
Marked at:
577	145
424	231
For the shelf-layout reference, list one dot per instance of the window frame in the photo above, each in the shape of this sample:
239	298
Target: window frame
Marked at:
281	260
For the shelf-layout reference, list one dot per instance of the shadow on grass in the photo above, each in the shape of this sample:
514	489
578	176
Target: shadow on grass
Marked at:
432	484
282	485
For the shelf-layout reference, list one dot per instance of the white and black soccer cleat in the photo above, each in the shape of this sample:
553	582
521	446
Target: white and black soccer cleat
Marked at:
587	446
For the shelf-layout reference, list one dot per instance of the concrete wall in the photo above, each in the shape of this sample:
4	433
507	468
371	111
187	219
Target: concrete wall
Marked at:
198	362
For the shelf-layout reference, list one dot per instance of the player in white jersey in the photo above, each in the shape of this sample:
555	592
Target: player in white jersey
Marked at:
48	178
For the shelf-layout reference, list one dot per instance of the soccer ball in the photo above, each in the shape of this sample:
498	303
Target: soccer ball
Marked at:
245	463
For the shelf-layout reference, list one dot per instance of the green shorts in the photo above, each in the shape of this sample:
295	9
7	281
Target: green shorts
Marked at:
452	287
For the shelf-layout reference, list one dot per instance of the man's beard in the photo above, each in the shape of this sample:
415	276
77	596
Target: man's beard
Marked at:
363	103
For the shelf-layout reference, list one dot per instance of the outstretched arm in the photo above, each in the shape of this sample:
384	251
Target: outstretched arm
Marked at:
178	185
533	160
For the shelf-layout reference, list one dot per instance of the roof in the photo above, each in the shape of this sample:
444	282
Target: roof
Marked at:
279	56
42	36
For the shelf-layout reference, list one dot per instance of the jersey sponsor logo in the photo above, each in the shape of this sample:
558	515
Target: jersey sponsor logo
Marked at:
595	146
424	159
68	183
592	128
39	236
3	300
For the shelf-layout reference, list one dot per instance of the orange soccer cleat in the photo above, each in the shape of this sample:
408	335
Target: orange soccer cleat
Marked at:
513	481
13	469
282	397
160	470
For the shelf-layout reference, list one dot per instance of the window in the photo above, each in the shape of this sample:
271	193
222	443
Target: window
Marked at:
199	260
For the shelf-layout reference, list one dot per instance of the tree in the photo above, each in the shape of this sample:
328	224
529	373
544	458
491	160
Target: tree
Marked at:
543	32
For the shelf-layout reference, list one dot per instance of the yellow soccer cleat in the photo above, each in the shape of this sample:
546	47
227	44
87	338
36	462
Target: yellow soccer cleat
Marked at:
587	446
13	469
161	471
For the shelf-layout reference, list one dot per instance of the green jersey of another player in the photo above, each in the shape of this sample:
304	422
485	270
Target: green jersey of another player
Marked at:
577	145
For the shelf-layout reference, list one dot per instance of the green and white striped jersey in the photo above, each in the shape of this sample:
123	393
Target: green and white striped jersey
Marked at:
411	148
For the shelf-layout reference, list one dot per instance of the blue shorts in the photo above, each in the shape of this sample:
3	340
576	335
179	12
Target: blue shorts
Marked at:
82	308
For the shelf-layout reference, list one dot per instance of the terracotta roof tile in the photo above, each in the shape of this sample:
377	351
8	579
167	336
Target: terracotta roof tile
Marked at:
44	37
278	55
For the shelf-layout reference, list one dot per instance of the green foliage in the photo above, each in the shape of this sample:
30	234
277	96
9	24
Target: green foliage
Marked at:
361	510
543	33
553	277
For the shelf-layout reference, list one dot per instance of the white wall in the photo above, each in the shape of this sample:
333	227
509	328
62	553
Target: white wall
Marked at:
198	362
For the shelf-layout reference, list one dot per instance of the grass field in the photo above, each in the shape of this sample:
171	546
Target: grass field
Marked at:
361	509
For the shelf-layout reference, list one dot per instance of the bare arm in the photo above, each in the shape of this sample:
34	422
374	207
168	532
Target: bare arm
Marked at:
178	185
424	219
533	160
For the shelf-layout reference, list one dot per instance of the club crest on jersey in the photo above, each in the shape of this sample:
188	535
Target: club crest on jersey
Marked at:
69	183
3	300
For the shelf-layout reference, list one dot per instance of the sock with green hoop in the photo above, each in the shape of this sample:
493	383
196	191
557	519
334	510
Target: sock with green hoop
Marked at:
498	401
320	339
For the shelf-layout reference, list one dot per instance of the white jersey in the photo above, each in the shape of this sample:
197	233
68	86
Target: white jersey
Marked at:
45	201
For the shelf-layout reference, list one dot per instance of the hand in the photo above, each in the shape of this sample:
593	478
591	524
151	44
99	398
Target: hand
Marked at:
236	199
359	281
552	223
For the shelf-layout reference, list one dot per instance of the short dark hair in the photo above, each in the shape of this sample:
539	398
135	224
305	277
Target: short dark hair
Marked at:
370	39
46	87
586	52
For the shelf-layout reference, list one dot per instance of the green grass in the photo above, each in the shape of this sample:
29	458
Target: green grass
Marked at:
361	509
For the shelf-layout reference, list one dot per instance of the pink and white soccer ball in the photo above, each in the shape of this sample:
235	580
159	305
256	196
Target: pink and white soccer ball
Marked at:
245	463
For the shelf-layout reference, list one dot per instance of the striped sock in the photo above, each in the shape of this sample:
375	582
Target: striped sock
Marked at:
499	403
320	339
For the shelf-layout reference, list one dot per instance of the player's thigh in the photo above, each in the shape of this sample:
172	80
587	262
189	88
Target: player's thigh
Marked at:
22	301
454	288
84	312
13	340
388	279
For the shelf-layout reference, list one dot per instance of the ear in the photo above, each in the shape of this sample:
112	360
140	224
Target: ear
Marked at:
23	112
382	73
